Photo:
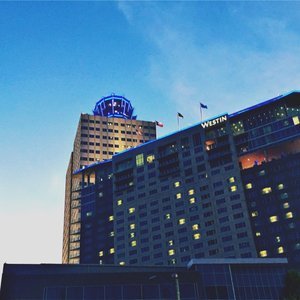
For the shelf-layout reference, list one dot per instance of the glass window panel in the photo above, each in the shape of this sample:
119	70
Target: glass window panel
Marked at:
74	293
93	292
150	291
132	292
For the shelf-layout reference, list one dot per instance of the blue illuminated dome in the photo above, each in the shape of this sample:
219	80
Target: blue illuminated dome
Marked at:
114	107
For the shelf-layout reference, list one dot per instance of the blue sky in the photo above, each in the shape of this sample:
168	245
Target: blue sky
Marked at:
58	58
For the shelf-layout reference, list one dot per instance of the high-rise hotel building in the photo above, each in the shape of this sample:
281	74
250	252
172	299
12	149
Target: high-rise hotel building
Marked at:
226	187
111	128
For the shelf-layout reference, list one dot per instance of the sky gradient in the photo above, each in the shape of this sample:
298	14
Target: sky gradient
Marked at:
58	58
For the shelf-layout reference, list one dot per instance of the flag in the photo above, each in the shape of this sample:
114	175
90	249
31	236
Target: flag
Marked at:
179	115
203	105
159	124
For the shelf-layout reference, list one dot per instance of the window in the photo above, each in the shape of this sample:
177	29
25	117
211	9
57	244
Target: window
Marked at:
273	219
254	213
150	158
133	243
197	236
289	215
263	253
191	192
286	205
233	188
195	227
248	186
231	179
181	221
171	252
178	196
280	250
131	210
101	253
119	202
168	216
132	226
177	184
266	190
280	186
139	160
112	250
192	200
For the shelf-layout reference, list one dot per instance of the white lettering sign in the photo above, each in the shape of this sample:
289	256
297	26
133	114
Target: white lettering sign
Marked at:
213	122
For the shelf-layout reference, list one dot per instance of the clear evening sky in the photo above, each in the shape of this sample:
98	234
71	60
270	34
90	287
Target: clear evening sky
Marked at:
58	58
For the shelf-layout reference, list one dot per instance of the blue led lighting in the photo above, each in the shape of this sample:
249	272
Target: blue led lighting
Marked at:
114	106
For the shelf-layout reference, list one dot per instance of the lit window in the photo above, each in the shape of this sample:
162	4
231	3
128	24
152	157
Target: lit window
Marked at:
280	250
233	188
181	221
101	253
119	202
284	196
173	261
280	186
191	192
231	179
197	236
278	239
254	214
289	215
296	120
192	200
150	158
257	233
139	160
286	205
273	219
195	227
112	250
122	263
111	233
177	183
178	196
133	243
132	234
89	214
131	210
171	252
266	190
132	226
171	243
263	253
111	218
248	186
262	172
168	216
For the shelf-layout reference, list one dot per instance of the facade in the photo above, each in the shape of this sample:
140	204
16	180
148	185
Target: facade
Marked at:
203	279
224	188
111	129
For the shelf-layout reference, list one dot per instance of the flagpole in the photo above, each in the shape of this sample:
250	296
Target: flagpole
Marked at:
200	113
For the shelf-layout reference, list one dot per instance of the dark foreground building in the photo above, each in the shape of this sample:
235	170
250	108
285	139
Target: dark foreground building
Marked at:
203	279
226	187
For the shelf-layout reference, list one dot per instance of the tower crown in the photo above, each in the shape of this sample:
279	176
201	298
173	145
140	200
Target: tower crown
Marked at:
114	106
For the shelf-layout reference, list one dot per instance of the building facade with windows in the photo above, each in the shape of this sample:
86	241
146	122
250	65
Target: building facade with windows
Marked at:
224	188
112	128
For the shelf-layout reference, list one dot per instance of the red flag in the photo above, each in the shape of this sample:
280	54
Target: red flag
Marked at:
159	124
